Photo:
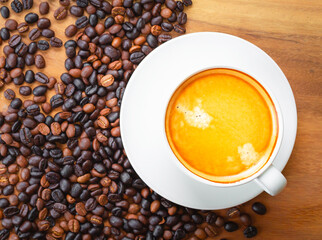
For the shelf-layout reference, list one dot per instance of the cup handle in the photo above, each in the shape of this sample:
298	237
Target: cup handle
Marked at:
271	181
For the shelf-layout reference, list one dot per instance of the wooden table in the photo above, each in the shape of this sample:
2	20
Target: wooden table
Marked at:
290	31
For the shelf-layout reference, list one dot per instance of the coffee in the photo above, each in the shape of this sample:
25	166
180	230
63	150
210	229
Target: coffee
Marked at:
222	125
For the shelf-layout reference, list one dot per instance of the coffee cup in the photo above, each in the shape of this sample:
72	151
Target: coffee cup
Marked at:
187	126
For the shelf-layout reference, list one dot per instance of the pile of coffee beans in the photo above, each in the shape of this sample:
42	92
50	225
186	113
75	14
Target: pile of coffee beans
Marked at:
66	175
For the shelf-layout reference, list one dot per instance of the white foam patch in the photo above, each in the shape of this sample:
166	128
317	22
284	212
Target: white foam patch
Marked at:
247	154
197	117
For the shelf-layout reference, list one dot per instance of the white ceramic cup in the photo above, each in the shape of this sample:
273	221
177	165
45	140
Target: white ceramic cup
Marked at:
269	178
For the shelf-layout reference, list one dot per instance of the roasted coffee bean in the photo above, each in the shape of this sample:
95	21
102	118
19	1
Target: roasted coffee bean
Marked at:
182	18
34	34
14	41
43	45
5	12
31	18
230	226
16	6
47	33
137	57
16	103
56	42
22	27
167	27
245	219
259	208
233	212
11	24
250	232
43	23
11	211
187	2
43	8
39	90
162	38
9	94
179	29
40	61
60	13
82	22
71	30
4	33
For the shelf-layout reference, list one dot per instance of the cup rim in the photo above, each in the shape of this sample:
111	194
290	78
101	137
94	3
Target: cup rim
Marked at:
273	154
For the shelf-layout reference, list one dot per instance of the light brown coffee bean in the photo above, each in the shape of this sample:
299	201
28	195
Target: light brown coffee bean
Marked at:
107	80
43	129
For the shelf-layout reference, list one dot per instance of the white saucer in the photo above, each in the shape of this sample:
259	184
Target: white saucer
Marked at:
147	95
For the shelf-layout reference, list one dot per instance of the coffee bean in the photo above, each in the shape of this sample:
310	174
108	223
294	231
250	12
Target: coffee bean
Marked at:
16	6
137	57
43	45
179	29
43	23
182	18
34	34
9	94
48	33
43	8
162	38
245	219
230	226
39	90
71	30
259	208
40	61
5	12
250	232
4	33
233	212
31	18
56	42
82	22
60	13
167	27
10	211
187	2
11	24
22	27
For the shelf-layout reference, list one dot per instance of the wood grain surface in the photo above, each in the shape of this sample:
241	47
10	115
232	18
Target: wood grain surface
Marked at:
290	31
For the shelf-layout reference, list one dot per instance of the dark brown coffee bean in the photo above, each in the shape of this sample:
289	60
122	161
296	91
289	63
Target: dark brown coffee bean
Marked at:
187	2
82	22
43	8
162	38
250	232
9	94
60	13
230	226
27	4
23	27
233	212
43	45
43	23
48	33
76	11
5	12
34	34
40	61
259	208
182	18
11	24
71	30
137	57
31	18
14	40
56	42
16	6
179	29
